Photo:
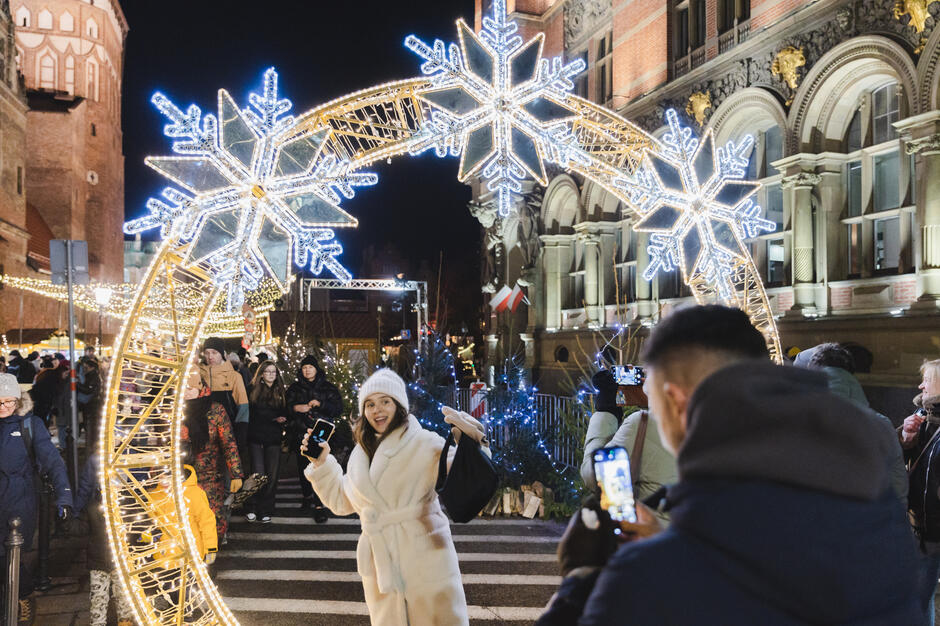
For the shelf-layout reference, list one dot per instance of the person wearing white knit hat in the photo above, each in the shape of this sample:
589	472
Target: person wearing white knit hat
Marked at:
406	555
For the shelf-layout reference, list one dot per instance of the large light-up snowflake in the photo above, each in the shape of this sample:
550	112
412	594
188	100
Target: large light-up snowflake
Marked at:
498	104
692	198
253	191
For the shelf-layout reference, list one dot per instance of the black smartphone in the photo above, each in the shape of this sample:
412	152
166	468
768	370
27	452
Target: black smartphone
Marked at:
322	431
612	471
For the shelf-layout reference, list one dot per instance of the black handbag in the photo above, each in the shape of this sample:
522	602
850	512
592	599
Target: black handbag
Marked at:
471	481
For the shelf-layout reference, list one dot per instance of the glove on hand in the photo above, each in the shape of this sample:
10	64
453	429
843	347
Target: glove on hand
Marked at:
589	539
464	423
210	558
236	485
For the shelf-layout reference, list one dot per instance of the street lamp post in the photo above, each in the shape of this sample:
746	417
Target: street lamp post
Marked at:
102	297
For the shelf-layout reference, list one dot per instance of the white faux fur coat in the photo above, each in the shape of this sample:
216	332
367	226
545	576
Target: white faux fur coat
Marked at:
405	555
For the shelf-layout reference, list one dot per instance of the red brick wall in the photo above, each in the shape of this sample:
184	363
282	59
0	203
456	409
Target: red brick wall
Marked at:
840	297
641	50
767	12
905	291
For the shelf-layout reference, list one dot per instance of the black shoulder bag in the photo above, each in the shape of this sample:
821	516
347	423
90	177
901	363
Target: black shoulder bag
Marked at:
471	481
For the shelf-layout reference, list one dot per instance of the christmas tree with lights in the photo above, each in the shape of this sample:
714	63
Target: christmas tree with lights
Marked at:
290	352
434	383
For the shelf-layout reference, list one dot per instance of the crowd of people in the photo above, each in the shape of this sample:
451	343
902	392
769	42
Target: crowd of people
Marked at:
765	494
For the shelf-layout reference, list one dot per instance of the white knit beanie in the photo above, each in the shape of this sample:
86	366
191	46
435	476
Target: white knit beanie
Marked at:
384	381
9	388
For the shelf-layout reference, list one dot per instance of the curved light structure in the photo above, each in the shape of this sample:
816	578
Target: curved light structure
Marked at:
256	188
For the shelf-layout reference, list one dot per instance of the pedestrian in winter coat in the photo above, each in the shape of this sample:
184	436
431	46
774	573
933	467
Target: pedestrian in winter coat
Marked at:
311	397
405	555
226	386
102	575
783	513
21	368
657	467
43	392
212	448
837	363
89	398
62	404
920	438
26	451
202	520
268	410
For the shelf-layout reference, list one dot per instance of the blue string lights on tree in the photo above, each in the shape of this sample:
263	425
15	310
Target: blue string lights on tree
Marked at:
434	383
253	193
498	104
693	199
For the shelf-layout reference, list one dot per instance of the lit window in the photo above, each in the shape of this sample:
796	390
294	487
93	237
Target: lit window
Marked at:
47	71
67	22
91	27
775	254
44	19
23	17
853	188
884	113
854	235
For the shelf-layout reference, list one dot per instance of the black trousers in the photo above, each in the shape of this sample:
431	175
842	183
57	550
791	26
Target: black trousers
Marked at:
265	459
305	487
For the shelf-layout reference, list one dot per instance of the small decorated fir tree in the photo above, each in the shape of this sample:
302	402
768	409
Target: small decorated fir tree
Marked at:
433	383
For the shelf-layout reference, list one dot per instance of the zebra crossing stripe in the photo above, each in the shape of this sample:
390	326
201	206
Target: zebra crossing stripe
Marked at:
351	554
328	537
341	607
308	521
353	577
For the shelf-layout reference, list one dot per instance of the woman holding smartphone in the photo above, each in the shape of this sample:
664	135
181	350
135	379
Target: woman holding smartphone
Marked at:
309	398
267	420
406	555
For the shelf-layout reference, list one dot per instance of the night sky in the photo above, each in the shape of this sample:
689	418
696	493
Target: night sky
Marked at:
322	49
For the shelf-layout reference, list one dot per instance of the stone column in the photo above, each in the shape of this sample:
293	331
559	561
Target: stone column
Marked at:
591	246
800	194
644	292
830	232
921	135
551	270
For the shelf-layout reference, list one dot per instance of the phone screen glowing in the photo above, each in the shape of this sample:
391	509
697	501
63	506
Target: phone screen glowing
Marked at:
612	470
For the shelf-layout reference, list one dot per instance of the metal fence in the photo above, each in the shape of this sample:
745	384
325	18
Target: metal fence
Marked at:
562	441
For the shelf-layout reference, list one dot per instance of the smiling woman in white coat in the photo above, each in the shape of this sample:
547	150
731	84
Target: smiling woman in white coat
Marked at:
405	555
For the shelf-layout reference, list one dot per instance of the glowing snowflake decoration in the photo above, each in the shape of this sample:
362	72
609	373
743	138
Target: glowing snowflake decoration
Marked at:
498	104
253	192
696	206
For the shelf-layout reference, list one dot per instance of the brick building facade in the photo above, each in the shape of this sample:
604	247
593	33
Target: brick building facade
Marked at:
843	98
70	53
61	153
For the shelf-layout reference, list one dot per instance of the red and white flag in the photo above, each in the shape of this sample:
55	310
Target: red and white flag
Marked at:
478	400
516	297
500	299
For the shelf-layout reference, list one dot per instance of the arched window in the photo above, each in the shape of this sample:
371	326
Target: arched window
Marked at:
91	80
67	22
70	74
23	17
561	354
47	78
44	19
91	28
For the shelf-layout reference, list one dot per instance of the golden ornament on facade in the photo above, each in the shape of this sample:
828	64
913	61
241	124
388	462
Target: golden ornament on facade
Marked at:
699	102
786	65
917	9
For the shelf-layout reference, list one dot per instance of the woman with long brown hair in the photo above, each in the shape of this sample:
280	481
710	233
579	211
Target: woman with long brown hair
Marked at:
406	555
266	423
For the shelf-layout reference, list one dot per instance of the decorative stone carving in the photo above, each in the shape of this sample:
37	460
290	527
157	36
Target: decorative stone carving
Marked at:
699	102
581	16
927	145
802	179
844	18
786	65
493	252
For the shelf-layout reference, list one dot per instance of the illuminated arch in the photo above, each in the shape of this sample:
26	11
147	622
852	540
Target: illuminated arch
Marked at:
141	476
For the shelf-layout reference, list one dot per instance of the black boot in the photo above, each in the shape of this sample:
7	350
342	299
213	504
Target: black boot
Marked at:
320	515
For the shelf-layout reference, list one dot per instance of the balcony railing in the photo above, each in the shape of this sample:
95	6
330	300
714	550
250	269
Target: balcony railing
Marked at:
681	67
698	57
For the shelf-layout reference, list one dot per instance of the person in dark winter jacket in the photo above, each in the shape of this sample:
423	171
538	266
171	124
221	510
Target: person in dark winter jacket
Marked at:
310	398
21	368
920	438
267	422
103	581
89	398
783	513
43	392
838	364
25	452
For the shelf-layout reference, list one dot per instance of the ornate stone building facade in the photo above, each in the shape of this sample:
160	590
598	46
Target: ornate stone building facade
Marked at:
70	54
843	98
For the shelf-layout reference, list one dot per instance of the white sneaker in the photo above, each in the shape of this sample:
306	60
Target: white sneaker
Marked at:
266	519
250	517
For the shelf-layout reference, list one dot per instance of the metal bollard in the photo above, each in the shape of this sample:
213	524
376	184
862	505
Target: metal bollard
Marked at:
13	544
43	582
